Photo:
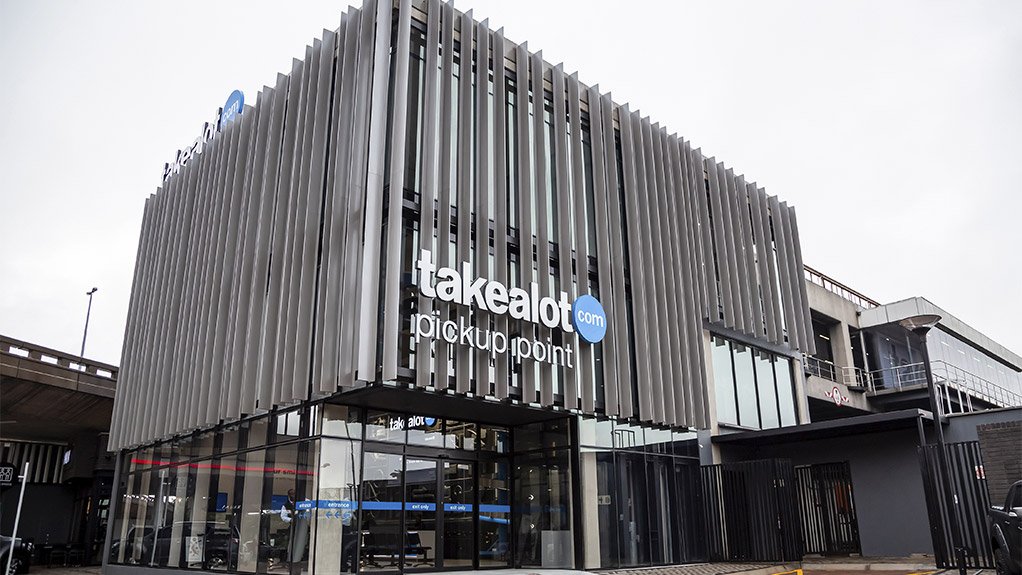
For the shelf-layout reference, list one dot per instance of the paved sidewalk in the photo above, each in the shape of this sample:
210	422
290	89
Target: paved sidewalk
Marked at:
707	569
44	570
889	565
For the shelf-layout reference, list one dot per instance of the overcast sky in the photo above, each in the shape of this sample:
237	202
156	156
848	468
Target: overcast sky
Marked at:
895	128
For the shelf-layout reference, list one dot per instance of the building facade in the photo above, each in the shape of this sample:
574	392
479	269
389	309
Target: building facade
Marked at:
432	303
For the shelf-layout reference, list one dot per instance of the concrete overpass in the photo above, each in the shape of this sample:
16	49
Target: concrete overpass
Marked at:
49	395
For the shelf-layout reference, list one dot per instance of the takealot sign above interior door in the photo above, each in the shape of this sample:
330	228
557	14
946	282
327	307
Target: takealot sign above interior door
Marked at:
585	315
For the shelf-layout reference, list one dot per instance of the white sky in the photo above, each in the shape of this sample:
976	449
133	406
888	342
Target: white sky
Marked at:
893	127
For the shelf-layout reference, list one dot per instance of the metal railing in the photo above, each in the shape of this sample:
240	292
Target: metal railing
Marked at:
851	376
830	284
964	381
956	388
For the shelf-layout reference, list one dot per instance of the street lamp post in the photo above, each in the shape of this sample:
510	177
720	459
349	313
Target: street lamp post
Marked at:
85	333
920	325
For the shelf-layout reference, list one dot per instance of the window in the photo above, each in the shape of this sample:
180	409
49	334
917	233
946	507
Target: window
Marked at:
753	387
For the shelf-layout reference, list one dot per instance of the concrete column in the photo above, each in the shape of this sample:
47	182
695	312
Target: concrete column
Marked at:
590	510
711	401
801	395
841	345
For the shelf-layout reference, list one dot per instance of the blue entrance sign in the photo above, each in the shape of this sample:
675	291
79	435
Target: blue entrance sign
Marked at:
589	318
334	504
381	505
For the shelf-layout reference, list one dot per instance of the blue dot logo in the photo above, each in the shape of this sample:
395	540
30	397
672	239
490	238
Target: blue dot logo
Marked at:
589	318
429	421
233	107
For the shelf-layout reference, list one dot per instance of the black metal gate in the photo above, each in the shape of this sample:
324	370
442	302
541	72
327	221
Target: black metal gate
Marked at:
964	482
750	511
827	508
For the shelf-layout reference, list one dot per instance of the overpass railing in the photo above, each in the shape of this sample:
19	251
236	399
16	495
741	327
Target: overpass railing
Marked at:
30	361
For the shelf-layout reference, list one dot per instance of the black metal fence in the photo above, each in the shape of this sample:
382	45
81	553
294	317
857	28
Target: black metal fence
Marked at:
826	505
750	511
964	483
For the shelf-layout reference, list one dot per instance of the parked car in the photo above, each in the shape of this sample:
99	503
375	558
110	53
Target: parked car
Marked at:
216	543
1006	532
21	551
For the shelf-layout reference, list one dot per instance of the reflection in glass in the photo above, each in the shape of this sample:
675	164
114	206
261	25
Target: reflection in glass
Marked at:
250	472
494	513
427	431
194	531
221	537
180	498
767	390
745	379
336	525
385	426
420	512
632	509
660	479
495	439
543	510
596	433
459	524
341	421
785	391
382	496
460	435
723	382
287	502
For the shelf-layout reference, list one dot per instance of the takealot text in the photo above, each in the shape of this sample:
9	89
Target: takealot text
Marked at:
232	109
209	130
447	284
492	296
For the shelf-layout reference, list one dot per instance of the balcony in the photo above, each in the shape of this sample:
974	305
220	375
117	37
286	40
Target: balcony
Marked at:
958	391
852	377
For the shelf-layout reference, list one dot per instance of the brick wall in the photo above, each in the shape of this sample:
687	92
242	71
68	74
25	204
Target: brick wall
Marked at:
1001	444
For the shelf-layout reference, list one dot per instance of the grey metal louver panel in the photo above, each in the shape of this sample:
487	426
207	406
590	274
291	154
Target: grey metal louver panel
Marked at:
446	184
399	133
481	190
502	368
428	190
611	293
463	161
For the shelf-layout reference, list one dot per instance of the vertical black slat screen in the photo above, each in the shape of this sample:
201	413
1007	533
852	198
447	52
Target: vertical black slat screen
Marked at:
965	480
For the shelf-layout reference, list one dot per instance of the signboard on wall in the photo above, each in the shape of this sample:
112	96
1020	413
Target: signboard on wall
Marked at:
233	107
8	473
584	315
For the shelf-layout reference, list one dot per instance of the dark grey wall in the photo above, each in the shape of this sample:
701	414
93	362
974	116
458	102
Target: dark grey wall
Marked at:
45	516
963	427
886	483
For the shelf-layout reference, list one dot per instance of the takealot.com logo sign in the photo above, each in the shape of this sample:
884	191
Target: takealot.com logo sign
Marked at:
233	108
585	315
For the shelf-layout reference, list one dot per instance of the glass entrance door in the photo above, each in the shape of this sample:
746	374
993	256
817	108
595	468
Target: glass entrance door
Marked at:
459	533
425	512
421	516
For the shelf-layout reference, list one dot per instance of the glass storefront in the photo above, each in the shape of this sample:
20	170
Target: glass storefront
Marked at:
337	489
641	496
328	488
